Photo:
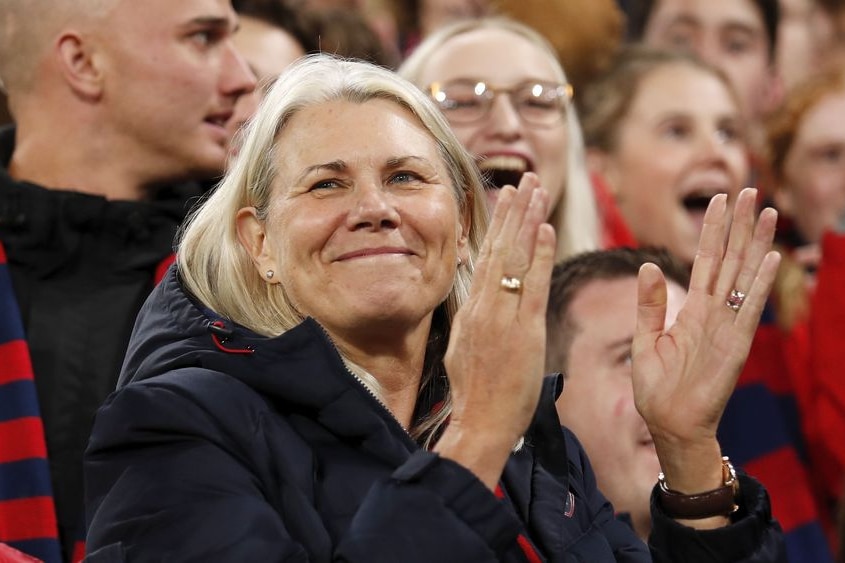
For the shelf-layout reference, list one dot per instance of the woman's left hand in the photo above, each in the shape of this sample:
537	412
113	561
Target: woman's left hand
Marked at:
684	377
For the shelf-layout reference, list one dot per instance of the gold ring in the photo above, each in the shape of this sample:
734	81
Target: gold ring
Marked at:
511	284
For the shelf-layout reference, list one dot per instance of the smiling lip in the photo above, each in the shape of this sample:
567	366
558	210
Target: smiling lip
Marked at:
380	251
219	119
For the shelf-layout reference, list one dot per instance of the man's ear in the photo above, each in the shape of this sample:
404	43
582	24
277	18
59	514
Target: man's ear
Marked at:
78	62
253	238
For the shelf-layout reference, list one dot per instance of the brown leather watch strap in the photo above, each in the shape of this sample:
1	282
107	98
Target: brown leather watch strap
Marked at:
718	502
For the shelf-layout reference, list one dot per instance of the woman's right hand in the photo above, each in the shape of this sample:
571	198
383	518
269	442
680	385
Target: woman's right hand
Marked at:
496	354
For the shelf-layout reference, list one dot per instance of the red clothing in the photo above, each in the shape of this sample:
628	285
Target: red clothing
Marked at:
614	232
826	402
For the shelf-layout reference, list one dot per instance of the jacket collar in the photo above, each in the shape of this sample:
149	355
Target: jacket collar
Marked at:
299	371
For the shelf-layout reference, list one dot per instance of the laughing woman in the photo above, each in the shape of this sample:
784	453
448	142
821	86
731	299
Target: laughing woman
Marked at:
506	97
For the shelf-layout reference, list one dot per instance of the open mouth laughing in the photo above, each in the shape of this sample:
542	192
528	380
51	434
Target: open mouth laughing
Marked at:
503	170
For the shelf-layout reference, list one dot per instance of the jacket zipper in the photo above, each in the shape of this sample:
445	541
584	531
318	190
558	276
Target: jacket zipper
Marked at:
363	384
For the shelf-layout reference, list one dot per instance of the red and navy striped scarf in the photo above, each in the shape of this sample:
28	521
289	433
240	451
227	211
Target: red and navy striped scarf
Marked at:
27	510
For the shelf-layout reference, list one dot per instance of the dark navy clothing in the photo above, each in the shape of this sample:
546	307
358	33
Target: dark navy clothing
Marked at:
223	445
81	267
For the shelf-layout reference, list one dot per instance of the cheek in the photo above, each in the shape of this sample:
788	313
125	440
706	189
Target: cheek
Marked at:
647	182
297	232
550	148
828	189
739	167
619	406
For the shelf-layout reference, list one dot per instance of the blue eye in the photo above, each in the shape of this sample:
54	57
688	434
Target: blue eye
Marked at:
324	185
404	177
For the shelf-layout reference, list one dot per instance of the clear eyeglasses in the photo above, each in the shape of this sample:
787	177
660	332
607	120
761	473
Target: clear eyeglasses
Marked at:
537	103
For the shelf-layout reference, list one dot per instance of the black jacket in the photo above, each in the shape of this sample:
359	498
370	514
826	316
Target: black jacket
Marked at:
227	446
81	267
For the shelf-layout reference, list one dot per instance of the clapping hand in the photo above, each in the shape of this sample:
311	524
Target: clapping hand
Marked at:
496	355
683	377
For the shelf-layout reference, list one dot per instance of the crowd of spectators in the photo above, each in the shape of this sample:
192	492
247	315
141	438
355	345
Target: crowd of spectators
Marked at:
633	114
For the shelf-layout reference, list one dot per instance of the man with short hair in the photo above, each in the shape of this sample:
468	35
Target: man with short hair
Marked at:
119	107
590	321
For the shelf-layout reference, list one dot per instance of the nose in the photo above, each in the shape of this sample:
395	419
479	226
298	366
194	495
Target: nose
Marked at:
503	120
245	107
709	49
712	146
372	209
236	78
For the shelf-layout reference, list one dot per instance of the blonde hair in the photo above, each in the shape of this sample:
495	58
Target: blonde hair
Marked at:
216	268
574	217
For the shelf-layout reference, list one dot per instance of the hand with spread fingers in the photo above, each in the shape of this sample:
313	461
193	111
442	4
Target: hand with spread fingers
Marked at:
684	377
495	359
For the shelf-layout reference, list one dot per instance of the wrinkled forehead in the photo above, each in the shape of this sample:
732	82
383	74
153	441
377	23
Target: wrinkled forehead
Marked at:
343	134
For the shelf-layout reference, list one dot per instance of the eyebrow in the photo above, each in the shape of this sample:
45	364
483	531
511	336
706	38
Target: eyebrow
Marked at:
340	165
684	19
333	166
216	22
740	27
398	161
694	22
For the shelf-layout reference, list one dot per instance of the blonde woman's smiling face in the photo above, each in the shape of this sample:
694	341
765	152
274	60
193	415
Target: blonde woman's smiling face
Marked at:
363	228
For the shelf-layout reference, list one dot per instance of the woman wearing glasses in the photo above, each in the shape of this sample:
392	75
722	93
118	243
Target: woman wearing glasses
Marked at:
507	99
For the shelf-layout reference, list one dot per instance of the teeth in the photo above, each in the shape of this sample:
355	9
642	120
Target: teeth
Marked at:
500	162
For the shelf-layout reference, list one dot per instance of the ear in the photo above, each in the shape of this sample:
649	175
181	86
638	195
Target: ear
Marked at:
77	60
463	234
253	238
603	164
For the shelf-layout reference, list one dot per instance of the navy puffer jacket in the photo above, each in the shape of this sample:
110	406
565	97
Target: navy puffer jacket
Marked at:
222	445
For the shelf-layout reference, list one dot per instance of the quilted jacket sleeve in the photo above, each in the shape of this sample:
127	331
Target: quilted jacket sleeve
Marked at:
752	537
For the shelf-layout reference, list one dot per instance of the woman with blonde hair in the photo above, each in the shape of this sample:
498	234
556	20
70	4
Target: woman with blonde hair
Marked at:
319	381
466	68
